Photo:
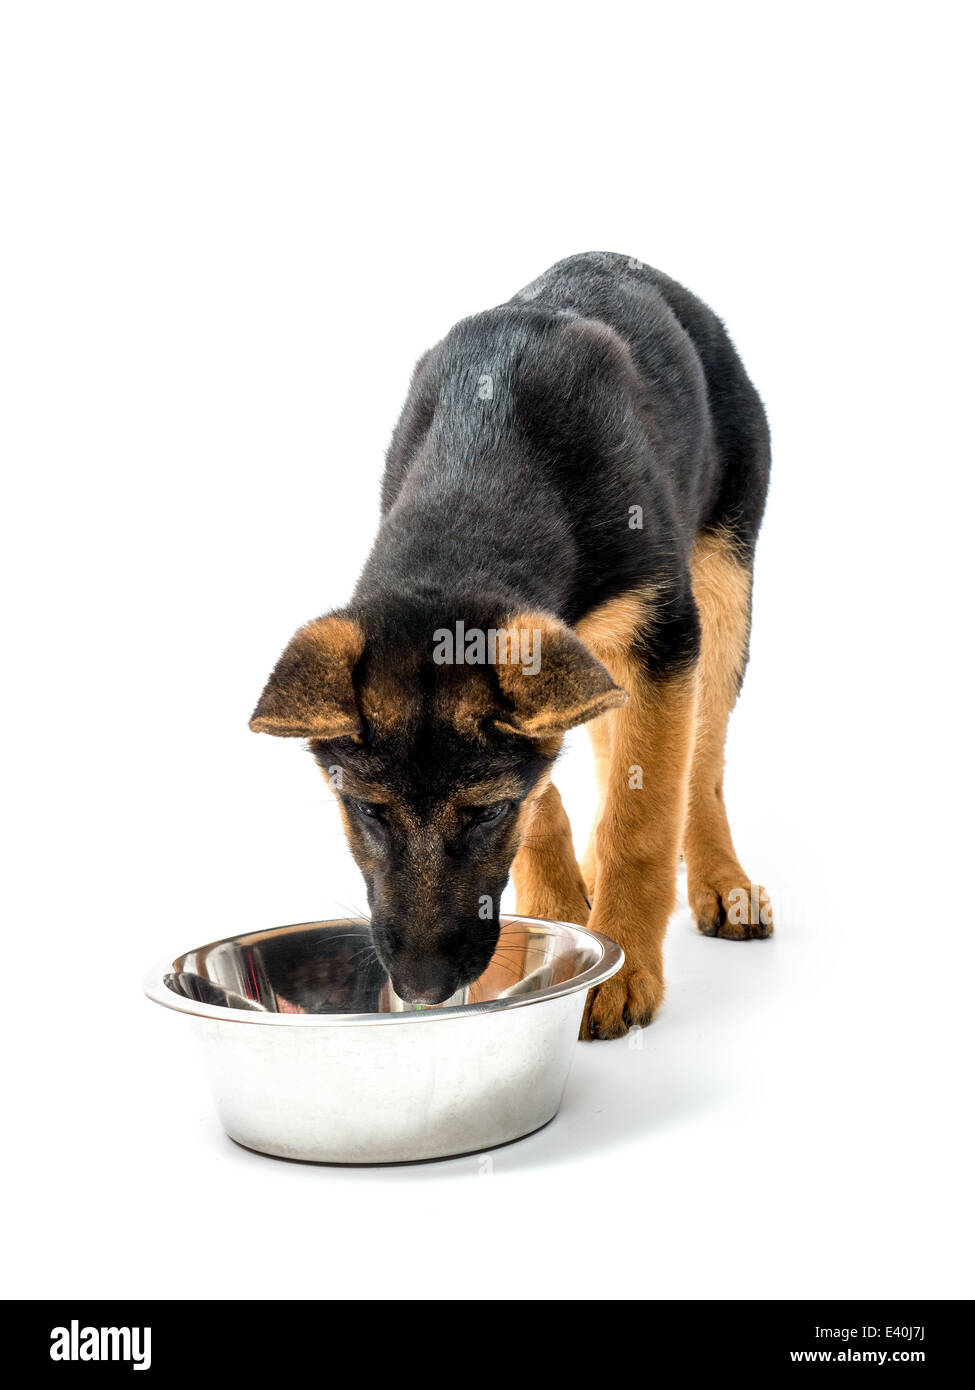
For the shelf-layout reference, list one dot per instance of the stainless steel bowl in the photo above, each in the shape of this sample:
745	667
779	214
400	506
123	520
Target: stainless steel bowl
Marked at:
311	1055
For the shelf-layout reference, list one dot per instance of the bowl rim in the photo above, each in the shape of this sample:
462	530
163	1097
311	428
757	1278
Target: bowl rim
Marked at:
155	988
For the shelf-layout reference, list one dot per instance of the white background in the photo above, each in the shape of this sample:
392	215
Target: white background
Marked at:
229	230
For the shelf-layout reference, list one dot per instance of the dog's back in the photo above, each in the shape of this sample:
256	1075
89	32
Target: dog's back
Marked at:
696	387
536	433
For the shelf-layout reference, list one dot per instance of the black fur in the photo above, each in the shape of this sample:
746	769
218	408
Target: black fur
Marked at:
612	387
529	435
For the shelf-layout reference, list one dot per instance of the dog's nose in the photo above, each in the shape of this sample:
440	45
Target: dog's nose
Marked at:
424	996
421	992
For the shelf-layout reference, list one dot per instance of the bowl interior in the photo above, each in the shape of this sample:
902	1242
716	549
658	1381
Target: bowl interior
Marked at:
331	968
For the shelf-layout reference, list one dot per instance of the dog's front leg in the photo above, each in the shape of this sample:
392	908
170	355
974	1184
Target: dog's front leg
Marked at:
547	878
637	839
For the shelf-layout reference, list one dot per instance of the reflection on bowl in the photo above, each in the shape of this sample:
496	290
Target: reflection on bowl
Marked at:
310	1053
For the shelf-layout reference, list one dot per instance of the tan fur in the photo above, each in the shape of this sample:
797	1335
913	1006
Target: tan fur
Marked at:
385	701
608	630
611	628
723	899
569	688
545	873
637	842
631	862
601	737
467	701
309	693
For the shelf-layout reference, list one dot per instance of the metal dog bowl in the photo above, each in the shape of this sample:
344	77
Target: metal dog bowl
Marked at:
311	1055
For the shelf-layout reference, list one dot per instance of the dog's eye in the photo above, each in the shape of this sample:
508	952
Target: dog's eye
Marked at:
363	808
490	815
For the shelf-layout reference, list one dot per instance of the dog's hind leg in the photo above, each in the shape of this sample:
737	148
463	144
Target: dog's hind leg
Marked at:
723	899
547	879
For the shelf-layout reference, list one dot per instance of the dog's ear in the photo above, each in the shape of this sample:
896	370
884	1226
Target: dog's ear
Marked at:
550	677
310	692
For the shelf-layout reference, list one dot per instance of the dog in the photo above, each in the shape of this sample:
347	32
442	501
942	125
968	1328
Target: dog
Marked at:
570	507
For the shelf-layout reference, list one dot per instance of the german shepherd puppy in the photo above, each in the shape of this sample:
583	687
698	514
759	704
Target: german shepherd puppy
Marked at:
570	506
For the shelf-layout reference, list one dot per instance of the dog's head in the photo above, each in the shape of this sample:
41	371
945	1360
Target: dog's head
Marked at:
436	738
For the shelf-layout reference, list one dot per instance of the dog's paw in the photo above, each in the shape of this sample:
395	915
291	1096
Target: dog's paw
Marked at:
732	908
628	1000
